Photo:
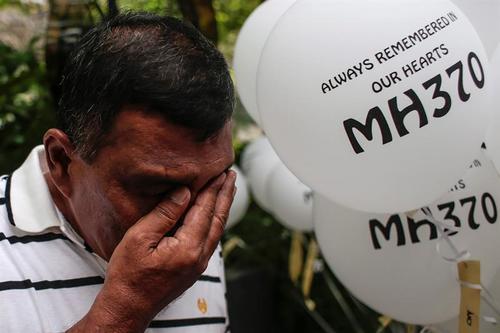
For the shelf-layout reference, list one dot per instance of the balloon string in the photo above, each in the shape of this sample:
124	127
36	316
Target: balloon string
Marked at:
431	329
491	301
428	329
445	232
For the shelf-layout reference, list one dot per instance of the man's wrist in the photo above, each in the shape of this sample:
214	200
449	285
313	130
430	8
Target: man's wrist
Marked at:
110	313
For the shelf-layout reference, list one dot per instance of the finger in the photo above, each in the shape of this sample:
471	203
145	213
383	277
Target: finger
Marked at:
165	215
198	219
221	213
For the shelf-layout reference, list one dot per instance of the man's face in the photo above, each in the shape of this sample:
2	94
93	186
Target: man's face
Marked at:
144	158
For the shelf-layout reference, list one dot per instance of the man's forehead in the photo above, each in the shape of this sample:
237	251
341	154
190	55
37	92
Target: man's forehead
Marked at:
147	139
137	127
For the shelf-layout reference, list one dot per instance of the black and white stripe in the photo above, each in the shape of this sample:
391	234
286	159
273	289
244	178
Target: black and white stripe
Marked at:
55	284
70	283
187	322
7	200
208	278
32	238
2	195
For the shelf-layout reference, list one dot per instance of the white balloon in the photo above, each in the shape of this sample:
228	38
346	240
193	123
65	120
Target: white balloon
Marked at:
391	263
290	200
258	160
248	48
485	16
493	133
241	199
316	82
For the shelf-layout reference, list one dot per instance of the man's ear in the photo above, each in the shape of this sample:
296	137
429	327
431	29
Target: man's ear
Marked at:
59	153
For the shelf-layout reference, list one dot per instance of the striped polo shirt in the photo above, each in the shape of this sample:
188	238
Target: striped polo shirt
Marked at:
49	278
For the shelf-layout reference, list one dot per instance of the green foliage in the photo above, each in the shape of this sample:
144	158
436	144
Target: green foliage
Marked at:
4	3
230	15
23	6
25	105
168	7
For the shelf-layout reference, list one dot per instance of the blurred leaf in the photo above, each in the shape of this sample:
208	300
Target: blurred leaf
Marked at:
25	105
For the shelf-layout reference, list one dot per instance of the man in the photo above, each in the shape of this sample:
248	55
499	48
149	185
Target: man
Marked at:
112	224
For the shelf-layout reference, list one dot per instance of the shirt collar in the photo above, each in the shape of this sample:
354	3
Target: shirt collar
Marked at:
29	202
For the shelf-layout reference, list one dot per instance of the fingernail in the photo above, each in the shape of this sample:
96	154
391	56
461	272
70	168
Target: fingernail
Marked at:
179	195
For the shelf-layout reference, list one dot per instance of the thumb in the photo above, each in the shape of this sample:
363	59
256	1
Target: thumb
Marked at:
166	214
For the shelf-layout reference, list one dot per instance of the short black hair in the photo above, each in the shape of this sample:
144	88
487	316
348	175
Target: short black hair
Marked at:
157	63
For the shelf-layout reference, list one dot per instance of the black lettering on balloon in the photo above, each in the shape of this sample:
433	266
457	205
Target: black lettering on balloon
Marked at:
472	200
479	82
374	115
464	96
414	226
394	226
492	216
398	116
325	88
395	221
444	49
368	64
450	206
436	81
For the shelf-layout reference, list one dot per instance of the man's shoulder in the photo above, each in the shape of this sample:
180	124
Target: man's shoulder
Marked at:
38	269
45	255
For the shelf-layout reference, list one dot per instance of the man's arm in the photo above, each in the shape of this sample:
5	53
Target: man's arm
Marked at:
147	270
